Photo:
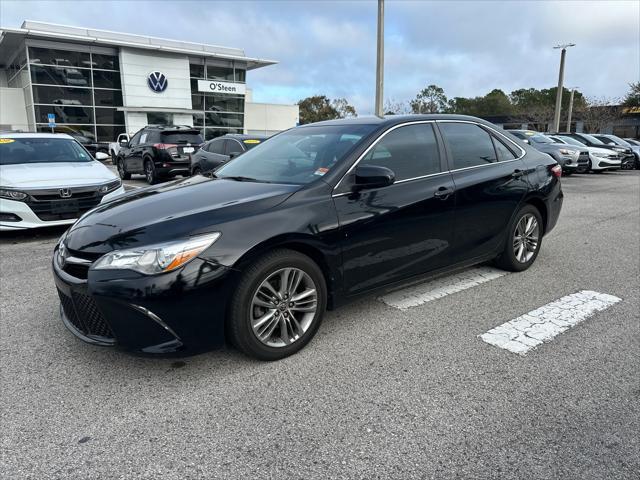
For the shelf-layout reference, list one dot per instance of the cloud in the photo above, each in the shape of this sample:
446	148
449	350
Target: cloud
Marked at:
328	47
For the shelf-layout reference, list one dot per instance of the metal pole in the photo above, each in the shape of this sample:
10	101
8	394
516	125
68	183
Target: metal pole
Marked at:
380	60
556	117
570	109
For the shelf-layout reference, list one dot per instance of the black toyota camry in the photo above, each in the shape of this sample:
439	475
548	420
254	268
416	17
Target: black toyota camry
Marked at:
316	216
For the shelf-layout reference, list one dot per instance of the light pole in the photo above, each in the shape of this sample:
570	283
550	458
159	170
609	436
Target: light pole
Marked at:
380	60
556	117
573	89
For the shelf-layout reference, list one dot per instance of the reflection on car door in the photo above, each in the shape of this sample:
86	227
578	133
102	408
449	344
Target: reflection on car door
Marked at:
490	183
131	154
403	229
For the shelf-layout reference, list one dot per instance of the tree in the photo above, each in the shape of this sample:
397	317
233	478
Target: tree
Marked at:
496	102
600	114
393	107
632	98
429	100
343	108
319	107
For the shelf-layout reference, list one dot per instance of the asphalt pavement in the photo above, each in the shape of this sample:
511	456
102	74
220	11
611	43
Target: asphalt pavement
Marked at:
381	392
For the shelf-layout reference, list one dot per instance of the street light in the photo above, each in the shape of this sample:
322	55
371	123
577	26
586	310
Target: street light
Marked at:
573	89
556	117
380	60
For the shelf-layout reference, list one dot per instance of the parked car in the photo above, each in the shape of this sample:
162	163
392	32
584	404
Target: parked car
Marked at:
570	158
159	152
625	153
258	252
114	147
220	150
50	179
635	149
600	159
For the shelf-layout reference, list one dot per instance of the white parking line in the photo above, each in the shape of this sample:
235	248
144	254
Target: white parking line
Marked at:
542	324
441	287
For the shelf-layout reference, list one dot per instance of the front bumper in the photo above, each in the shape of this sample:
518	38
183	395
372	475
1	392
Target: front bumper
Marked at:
600	163
28	218
180	312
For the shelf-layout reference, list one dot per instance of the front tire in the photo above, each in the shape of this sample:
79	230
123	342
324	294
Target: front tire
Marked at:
523	240
122	172
277	306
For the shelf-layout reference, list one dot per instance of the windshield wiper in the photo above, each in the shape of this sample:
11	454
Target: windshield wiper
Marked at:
240	178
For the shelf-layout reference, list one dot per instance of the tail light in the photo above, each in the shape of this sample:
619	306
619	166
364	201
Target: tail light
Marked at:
556	170
164	146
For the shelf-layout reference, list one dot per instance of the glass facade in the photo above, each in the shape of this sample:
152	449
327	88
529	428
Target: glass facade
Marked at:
82	90
221	113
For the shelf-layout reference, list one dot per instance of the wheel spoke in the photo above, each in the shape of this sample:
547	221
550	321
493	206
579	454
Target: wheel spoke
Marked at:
302	308
265	318
304	294
284	331
268	330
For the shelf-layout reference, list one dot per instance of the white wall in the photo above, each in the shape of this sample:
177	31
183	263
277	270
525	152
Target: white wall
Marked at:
135	67
268	118
12	109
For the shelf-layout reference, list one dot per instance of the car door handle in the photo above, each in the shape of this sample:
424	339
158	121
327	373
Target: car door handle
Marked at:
517	173
443	193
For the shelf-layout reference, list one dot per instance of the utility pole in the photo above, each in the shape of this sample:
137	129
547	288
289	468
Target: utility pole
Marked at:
573	89
380	60
556	117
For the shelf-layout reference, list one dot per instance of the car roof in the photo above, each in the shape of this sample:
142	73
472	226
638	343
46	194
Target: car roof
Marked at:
242	136
35	135
390	120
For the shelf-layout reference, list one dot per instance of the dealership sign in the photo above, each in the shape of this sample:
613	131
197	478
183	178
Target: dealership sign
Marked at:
221	87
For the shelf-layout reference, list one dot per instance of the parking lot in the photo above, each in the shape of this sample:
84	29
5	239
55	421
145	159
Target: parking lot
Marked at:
386	388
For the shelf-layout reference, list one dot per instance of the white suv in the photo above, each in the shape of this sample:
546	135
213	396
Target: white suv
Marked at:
50	179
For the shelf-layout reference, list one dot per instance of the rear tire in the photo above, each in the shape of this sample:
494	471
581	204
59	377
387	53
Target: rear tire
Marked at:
276	325
150	172
523	240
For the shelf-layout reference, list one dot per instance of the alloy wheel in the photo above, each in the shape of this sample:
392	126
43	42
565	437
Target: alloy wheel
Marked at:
283	307
526	238
148	169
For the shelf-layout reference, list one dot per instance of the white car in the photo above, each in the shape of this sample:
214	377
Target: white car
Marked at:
600	159
50	179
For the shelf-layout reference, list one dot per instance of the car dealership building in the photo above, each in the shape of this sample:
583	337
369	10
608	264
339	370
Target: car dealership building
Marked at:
98	83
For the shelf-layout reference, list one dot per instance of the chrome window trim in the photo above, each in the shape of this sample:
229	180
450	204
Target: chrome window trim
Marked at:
417	122
481	125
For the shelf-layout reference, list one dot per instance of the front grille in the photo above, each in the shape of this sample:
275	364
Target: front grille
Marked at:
63	209
85	316
583	158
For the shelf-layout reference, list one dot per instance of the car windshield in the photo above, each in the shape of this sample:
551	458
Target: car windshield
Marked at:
297	156
619	141
540	139
571	141
41	150
592	139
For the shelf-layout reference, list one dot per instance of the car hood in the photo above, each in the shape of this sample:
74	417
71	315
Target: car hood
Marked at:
54	174
171	211
600	150
553	147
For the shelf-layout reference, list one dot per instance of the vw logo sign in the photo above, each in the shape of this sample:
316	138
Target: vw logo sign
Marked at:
157	82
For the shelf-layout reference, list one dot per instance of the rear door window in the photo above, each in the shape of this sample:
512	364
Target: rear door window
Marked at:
469	145
217	146
233	147
504	153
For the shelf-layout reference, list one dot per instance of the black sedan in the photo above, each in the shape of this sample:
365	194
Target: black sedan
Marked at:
220	150
256	254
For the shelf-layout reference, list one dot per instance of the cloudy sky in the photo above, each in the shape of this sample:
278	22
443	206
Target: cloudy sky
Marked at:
328	47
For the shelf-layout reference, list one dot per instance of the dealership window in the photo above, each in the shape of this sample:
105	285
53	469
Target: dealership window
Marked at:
159	118
75	86
210	133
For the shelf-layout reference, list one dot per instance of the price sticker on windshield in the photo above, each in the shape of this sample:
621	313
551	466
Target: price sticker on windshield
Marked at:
251	140
6	140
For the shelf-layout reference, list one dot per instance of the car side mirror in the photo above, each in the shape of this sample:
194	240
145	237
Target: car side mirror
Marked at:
373	176
124	143
233	155
101	156
526	141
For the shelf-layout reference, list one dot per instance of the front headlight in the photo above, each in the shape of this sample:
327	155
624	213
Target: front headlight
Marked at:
110	187
565	151
601	154
12	194
159	258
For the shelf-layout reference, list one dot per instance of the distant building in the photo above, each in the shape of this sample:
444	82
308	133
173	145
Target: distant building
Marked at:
100	83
